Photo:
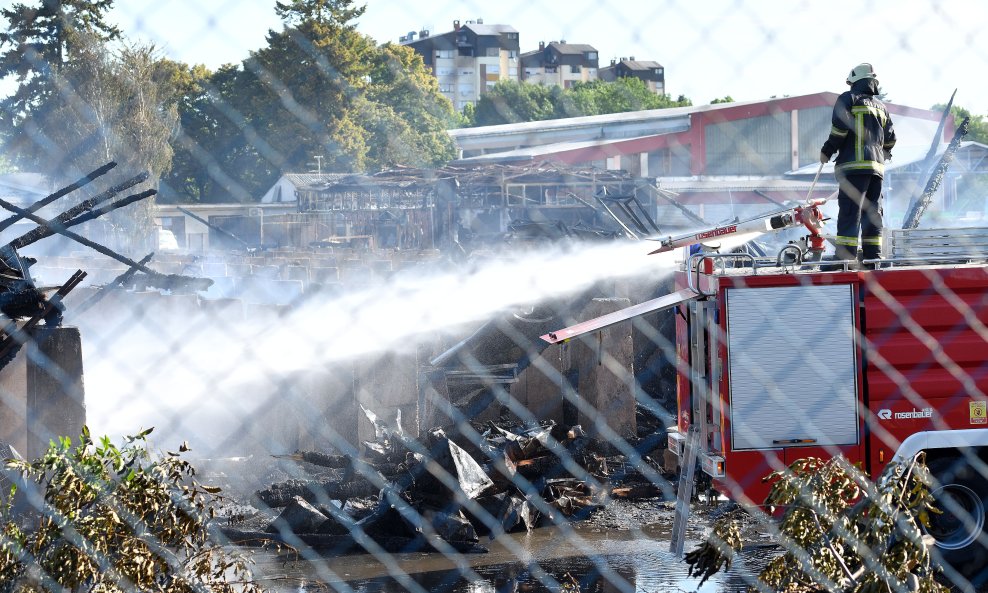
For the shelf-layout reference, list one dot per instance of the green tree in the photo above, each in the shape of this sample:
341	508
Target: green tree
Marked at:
213	160
318	87
117	519
511	102
724	99
622	95
302	88
408	116
38	41
119	106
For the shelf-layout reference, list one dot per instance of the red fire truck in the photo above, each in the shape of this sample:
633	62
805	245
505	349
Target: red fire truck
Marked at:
779	360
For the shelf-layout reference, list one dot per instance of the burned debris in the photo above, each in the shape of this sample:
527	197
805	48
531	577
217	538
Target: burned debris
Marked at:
463	209
448	489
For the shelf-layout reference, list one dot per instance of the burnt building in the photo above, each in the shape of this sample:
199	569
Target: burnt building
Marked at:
560	63
652	73
468	60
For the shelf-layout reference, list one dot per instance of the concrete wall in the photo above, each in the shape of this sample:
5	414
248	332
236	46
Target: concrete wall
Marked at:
604	363
541	386
42	396
589	380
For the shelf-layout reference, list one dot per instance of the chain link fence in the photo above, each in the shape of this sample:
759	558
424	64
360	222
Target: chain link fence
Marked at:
392	380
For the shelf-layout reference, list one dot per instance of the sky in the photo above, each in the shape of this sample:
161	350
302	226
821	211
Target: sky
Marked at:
750	50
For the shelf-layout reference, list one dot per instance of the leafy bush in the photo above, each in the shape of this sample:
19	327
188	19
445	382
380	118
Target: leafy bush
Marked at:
111	519
839	531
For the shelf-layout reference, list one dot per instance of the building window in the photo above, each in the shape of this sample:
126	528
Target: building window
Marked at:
445	53
512	54
591	55
466	72
658	71
493	52
575	69
445	71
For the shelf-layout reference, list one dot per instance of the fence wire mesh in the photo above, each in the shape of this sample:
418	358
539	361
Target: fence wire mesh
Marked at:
353	282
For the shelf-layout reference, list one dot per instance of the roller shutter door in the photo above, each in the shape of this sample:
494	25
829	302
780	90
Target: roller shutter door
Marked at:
792	365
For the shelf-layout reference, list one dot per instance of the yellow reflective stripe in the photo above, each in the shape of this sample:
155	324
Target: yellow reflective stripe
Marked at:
835	131
866	109
859	132
888	145
862	166
871	240
848	241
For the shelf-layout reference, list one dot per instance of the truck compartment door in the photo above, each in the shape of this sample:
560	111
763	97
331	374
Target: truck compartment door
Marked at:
793	366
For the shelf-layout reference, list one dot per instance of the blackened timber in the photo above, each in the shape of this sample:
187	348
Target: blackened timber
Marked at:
46	226
94	214
167	281
317	492
14	337
916	210
6	223
117	282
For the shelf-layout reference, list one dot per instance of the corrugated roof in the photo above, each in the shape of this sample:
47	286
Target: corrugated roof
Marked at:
308	179
736	183
591	120
537	152
902	157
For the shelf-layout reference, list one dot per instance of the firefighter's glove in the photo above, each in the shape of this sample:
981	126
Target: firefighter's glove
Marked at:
888	154
824	158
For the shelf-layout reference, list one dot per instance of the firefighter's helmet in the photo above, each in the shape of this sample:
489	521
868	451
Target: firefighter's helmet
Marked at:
864	70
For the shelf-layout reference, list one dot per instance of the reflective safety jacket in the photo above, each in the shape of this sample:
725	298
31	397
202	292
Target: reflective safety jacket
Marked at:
861	131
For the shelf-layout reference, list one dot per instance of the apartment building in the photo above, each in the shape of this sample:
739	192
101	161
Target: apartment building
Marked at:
651	72
559	63
468	60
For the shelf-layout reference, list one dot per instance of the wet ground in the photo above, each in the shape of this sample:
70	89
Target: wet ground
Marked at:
624	548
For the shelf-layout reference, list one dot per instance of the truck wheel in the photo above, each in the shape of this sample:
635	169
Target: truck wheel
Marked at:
962	494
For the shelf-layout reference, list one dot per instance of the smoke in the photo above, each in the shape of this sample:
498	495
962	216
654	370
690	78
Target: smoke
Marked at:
206	376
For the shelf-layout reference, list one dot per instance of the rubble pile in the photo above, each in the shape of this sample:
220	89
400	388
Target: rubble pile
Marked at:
443	491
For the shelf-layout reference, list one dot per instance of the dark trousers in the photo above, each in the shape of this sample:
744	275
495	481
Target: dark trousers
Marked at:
859	213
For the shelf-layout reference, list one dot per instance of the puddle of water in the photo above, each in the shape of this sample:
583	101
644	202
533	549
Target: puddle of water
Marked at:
600	561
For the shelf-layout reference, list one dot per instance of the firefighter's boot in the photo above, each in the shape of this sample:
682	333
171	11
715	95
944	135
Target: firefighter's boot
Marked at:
871	253
842	253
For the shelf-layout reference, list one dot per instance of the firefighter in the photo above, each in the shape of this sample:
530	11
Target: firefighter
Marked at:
861	135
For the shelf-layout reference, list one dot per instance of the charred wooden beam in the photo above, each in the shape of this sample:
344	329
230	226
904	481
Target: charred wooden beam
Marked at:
7	222
116	283
47	228
166	281
282	494
96	213
14	337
